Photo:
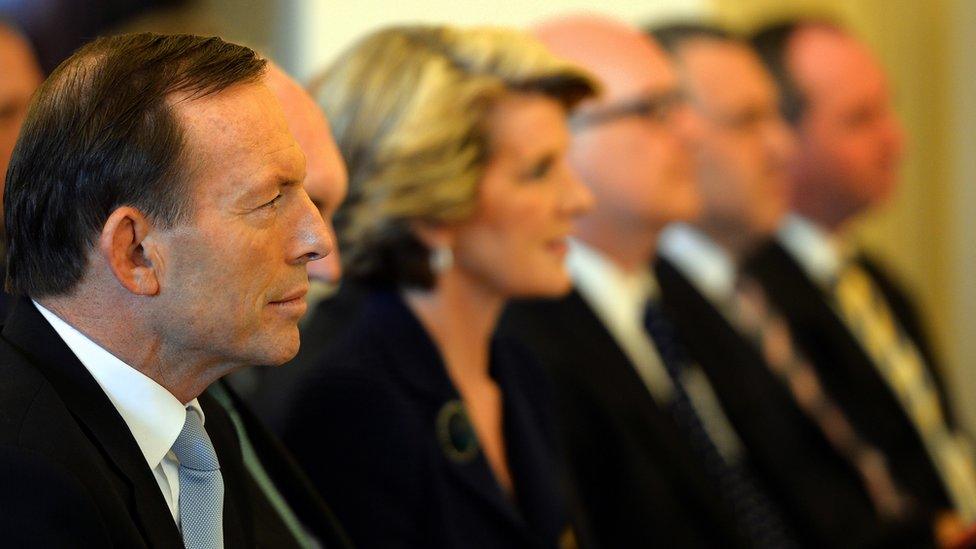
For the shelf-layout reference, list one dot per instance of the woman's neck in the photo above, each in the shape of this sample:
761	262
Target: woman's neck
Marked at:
460	314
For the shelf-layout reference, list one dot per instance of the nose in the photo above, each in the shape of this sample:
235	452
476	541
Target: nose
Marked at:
329	268
781	141
313	236
686	125
576	197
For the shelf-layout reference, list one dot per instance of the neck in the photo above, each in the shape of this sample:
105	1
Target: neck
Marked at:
738	242
460	314
113	326
825	211
630	248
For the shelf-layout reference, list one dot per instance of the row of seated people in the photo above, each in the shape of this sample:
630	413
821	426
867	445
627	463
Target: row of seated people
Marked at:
595	294
725	371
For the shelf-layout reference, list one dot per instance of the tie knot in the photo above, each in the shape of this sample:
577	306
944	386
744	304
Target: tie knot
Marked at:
193	447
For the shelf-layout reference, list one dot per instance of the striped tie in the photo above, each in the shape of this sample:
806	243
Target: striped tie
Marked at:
201	486
866	313
752	316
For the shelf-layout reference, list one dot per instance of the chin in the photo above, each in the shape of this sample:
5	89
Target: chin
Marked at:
279	350
549	287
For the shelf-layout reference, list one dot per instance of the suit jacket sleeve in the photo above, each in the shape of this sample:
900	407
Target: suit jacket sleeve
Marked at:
42	505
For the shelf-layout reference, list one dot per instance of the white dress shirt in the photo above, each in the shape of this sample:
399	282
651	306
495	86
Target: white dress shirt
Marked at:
818	253
711	270
154	416
619	298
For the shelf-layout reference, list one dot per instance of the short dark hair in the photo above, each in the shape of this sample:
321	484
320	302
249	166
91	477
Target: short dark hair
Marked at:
772	42
102	133
671	36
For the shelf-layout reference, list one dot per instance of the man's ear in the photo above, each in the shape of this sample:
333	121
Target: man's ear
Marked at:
121	245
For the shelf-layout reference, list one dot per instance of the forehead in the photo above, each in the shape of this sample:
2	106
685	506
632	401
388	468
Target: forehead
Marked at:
326	177
830	66
725	73
525	125
239	135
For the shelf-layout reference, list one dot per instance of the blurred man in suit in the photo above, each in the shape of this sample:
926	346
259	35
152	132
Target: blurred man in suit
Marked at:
265	387
650	449
19	77
799	438
157	234
850	317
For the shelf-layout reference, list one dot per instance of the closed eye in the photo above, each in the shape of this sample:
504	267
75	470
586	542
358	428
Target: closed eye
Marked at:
540	169
271	203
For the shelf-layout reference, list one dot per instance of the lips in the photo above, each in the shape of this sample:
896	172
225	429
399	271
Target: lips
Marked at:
295	295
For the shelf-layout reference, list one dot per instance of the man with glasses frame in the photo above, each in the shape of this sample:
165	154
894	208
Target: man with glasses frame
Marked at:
640	441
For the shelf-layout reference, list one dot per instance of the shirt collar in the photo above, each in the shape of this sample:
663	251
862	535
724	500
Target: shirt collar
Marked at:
817	252
154	416
701	259
604	282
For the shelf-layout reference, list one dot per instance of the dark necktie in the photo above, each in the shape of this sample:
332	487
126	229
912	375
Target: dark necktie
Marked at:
756	515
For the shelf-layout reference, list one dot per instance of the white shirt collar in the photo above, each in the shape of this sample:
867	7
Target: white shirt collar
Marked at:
817	252
154	416
701	259
618	298
604	282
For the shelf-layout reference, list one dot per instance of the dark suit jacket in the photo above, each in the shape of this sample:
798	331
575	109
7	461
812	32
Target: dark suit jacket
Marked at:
818	488
846	370
364	428
73	475
639	482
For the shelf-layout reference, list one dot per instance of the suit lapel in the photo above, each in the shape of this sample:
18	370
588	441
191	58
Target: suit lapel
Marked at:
29	332
416	363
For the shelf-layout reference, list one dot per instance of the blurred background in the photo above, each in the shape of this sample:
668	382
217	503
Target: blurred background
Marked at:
926	234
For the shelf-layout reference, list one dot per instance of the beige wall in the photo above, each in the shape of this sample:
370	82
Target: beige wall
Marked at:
925	233
325	28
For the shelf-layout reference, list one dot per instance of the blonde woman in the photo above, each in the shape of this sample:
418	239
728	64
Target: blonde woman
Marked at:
423	429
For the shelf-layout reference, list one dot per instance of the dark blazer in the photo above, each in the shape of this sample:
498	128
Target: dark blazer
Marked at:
639	483
73	475
291	482
847	371
364	426
818	488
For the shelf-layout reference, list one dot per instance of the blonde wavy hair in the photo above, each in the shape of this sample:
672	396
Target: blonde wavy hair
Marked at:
408	106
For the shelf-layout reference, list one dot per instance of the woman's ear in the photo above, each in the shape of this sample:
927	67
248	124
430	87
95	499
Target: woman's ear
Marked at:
434	236
122	244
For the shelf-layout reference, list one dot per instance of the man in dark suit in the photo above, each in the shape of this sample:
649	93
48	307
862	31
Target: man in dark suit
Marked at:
157	236
649	447
744	149
859	328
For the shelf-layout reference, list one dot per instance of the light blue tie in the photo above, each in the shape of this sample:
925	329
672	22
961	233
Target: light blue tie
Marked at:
201	486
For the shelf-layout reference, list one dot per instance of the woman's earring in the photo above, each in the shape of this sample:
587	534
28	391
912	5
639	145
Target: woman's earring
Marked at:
441	259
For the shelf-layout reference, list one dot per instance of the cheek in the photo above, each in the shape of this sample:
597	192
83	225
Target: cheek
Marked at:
511	252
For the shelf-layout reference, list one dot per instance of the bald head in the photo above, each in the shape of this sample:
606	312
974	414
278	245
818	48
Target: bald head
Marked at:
611	50
631	144
20	75
325	179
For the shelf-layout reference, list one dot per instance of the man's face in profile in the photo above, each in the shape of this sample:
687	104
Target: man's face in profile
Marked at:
19	77
745	145
233	278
